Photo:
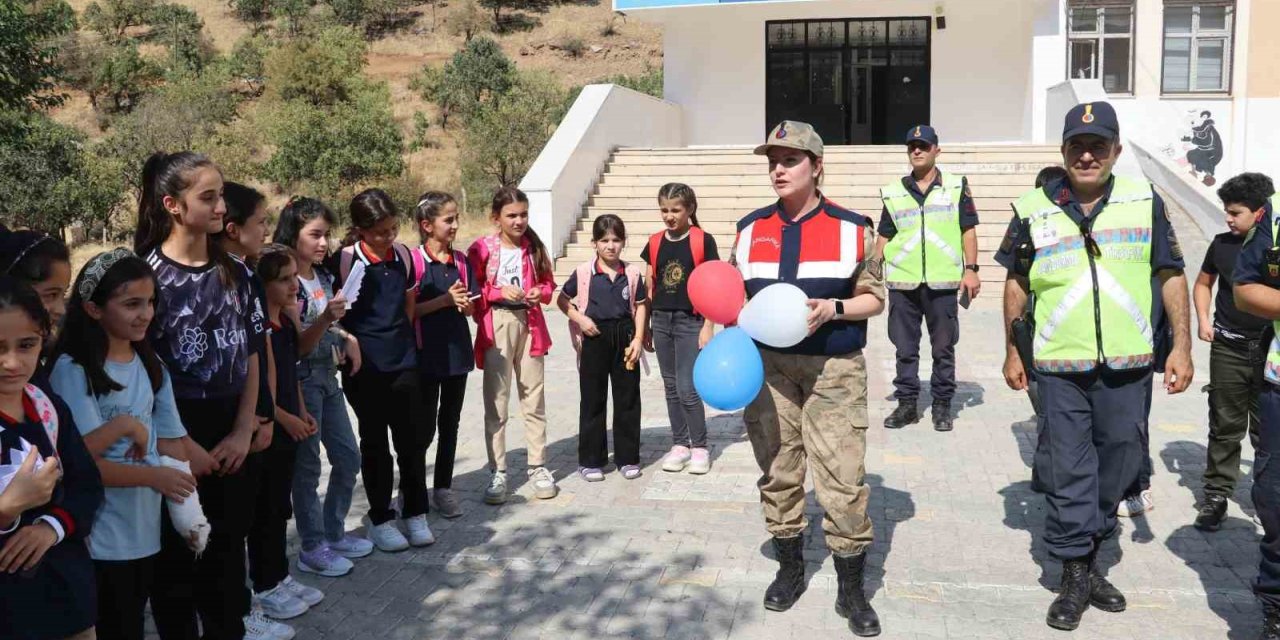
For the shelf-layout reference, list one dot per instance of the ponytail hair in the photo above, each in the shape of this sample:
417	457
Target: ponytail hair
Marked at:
430	206
170	174
367	209
511	195
684	193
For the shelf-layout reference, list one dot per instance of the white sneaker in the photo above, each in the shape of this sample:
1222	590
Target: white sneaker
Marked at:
419	531
280	604
386	537
309	595
496	492
676	459
1136	505
544	484
258	627
351	547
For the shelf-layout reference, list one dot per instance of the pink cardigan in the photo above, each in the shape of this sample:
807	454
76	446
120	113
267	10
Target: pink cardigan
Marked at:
483	257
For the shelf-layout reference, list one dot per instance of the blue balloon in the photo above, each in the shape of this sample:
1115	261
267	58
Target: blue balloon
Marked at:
728	373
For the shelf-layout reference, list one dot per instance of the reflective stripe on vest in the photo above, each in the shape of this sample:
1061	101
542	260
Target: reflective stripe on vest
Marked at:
1273	353
1080	297
927	247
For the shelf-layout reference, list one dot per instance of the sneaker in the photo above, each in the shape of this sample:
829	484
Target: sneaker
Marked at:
1136	505
258	627
280	604
544	484
323	561
631	471
387	537
419	532
351	547
676	459
310	595
591	474
496	492
700	461
446	503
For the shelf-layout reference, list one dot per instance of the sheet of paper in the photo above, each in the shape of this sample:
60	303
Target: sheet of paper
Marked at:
351	289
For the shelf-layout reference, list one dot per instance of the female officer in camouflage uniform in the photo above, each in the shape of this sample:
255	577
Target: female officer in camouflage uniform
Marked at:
814	404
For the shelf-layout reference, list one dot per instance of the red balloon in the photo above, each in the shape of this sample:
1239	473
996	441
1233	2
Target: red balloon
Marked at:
717	292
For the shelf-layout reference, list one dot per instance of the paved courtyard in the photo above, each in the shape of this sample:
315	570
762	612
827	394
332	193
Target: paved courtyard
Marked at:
957	551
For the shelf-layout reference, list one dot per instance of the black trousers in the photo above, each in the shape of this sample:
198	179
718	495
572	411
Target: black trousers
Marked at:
268	561
390	401
1092	429
1266	495
602	364
442	406
214	585
124	586
939	310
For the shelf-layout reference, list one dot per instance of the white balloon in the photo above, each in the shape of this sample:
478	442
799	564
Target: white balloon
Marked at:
777	316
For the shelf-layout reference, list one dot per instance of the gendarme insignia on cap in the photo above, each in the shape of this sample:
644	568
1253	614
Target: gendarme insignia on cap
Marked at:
1088	114
782	131
917	134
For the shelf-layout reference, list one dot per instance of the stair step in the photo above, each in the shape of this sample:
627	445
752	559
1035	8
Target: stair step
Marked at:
680	172
764	191
830	181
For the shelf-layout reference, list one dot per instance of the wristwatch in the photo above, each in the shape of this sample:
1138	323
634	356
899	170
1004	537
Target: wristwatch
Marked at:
972	267
839	306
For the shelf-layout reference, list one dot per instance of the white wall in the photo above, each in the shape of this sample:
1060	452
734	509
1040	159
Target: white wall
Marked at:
1260	150
714	61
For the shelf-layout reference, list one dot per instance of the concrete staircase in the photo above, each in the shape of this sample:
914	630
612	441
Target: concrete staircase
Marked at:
731	182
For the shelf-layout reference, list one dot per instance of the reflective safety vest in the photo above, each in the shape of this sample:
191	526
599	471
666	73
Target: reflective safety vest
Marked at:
1092	309
1273	354
927	247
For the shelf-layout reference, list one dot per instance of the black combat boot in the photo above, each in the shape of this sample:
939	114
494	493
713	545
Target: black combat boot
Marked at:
1270	623
788	583
1212	512
942	420
905	414
1103	594
851	602
1073	597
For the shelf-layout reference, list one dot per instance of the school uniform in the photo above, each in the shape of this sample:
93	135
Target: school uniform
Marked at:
268	562
384	393
58	598
445	354
610	303
205	332
125	541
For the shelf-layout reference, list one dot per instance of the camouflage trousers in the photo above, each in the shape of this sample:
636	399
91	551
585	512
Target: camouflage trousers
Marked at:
812	411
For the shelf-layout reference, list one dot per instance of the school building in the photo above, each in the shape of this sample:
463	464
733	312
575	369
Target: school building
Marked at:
994	77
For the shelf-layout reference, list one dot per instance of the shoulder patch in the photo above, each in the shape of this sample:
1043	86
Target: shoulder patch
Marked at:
875	268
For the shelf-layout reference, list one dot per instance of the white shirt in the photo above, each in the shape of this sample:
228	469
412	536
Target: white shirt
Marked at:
511	268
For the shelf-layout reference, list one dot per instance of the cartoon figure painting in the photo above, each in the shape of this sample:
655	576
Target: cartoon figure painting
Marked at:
1205	151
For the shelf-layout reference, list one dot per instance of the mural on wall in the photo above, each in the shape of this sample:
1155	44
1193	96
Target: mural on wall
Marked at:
1203	148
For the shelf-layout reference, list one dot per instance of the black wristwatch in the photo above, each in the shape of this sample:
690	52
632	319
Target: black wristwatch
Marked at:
839	306
972	267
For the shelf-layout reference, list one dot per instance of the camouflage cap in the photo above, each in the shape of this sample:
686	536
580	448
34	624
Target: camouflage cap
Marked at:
792	135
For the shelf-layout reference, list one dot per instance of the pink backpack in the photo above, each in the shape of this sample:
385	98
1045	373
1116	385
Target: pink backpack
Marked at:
583	275
420	271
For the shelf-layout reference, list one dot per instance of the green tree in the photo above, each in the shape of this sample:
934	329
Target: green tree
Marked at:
478	72
48	179
322	69
245	64
182	31
113	18
256	12
294	12
330	147
29	36
504	136
468	20
114	75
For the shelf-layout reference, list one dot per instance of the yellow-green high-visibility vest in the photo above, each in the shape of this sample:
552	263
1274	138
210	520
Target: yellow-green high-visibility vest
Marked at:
1092	309
1273	354
927	247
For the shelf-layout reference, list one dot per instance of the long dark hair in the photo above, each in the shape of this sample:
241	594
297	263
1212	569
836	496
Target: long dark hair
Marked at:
608	223
273	260
511	195
684	193
169	174
295	215
30	255
84	339
367	209
16	293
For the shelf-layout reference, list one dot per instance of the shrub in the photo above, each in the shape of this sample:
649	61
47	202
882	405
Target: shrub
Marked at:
574	46
504	135
466	19
321	68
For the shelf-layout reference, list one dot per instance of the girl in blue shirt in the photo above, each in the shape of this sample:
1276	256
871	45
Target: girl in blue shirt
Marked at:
113	382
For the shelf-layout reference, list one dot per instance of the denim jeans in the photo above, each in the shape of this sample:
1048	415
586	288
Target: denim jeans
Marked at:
675	339
326	403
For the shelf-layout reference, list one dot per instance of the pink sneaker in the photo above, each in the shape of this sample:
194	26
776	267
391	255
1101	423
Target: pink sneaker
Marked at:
676	459
700	461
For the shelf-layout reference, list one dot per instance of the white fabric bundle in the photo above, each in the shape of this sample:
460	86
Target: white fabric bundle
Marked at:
16	456
187	516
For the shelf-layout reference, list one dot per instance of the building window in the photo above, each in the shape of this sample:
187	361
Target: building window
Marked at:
1100	43
1197	46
